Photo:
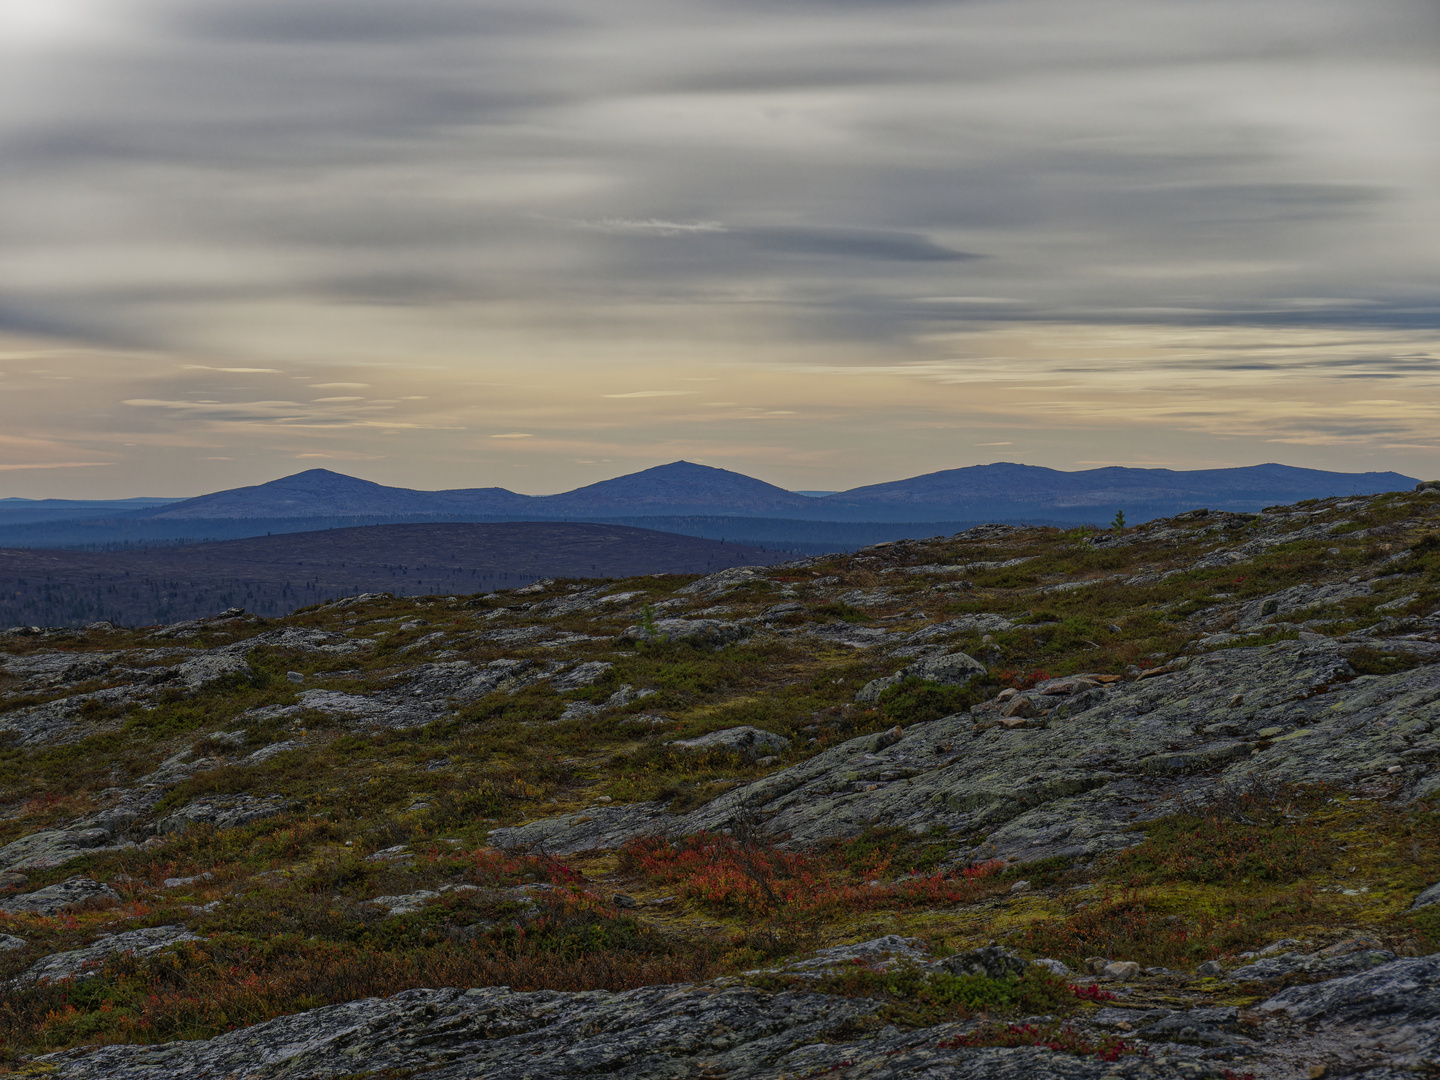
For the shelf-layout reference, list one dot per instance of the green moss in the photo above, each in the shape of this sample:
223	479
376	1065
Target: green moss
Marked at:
914	997
1369	661
915	701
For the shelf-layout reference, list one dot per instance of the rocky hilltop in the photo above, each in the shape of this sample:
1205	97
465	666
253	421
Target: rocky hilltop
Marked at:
1018	802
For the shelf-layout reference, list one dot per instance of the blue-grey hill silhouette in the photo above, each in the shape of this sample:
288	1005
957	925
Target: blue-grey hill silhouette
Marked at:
999	490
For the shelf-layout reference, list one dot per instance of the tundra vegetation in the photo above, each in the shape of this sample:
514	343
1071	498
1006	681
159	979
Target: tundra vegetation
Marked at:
776	784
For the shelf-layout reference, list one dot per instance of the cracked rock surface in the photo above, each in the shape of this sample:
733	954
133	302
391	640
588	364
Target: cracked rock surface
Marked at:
1389	1015
1075	782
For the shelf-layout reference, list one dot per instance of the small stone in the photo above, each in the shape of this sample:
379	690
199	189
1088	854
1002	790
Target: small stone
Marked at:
1283	945
887	739
179	882
1395	769
621	900
1020	887
1021	707
295	676
1210	969
1054	967
1122	969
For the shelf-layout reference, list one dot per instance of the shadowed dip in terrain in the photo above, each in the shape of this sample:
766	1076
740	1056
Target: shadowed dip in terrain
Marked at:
274	574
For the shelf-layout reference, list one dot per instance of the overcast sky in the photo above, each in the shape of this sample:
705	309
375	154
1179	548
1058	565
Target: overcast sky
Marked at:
447	243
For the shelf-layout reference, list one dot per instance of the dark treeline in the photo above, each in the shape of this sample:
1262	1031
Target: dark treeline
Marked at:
274	575
785	534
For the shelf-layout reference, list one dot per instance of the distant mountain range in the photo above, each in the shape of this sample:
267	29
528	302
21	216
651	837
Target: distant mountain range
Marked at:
680	488
25	511
700	501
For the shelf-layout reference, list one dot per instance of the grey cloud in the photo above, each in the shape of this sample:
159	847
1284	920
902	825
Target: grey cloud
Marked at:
1104	159
368	21
855	244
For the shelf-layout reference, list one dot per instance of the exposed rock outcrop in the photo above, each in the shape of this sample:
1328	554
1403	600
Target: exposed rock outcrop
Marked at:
1076	785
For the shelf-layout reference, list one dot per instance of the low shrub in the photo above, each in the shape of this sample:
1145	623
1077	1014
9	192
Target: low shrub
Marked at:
730	876
230	980
1214	849
915	701
1140	926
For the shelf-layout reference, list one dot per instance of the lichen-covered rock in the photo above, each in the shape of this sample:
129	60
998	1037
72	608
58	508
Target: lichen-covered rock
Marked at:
294	638
748	742
57	669
64	720
586	674
1298	598
723	580
598	828
53	899
1326	963
50	848
432	692
1402	997
1076	782
992	962
654	1033
701	631
1428	897
405	903
878	953
954	669
1209	1027
210	668
222	813
83	963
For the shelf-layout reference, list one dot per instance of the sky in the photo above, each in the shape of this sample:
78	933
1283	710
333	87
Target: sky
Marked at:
464	243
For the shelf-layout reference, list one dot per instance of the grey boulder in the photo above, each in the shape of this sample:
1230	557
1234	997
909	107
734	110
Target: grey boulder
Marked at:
953	669
223	813
53	899
209	668
1428	897
50	848
85	963
698	631
748	742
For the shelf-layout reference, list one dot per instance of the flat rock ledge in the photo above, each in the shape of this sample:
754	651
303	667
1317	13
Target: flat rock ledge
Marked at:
1085	763
1383	1024
655	1033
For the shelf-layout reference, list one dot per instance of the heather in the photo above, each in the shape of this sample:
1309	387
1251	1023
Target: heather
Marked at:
498	789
